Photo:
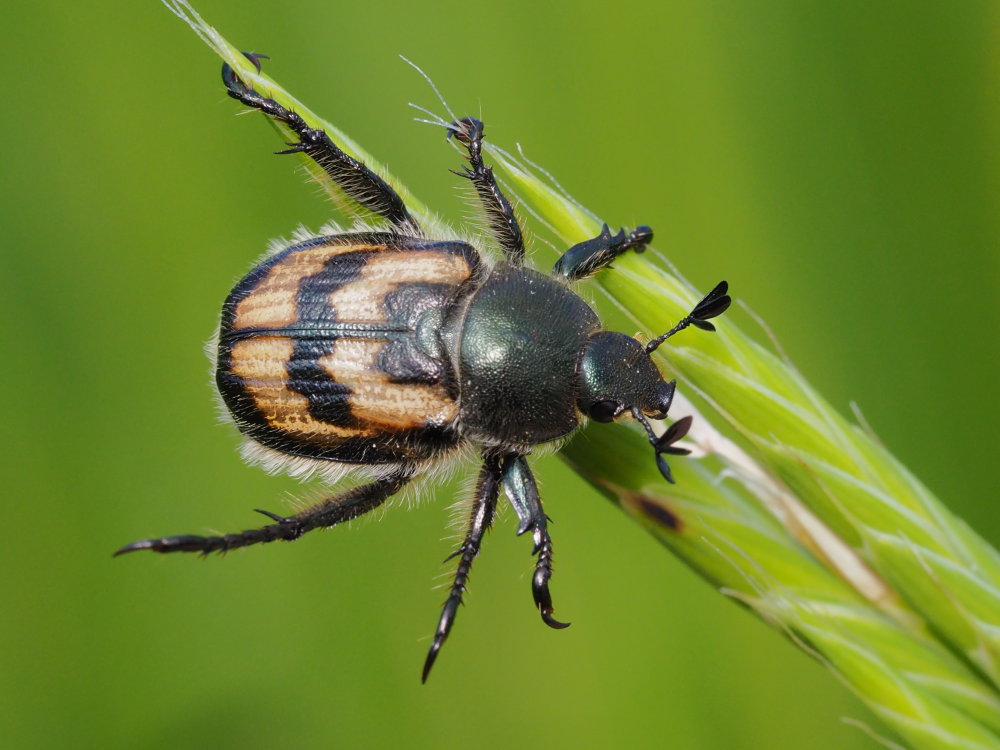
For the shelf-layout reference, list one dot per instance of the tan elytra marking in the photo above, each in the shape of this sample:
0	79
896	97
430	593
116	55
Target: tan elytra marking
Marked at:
375	401
272	303
361	300
261	363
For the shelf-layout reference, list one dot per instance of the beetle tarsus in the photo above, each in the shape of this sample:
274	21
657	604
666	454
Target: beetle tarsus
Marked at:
272	516
522	491
343	507
468	131
287	530
296	147
483	510
500	215
357	181
543	572
186	543
255	58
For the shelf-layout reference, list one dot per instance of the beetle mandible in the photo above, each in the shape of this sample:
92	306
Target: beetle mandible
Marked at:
387	351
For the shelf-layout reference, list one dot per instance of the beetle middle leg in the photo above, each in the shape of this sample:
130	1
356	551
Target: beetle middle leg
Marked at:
519	484
590	256
337	509
356	180
483	509
499	213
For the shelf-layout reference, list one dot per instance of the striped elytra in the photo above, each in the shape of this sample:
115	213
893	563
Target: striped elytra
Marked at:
331	348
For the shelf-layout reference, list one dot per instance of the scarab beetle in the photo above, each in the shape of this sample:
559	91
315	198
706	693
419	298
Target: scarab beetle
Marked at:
388	351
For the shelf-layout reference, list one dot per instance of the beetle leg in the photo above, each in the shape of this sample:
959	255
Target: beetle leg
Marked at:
357	181
483	509
520	501
499	213
519	484
337	509
590	256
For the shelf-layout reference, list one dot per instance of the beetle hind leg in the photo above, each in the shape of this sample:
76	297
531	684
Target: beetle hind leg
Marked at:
543	572
337	509
483	510
357	181
499	213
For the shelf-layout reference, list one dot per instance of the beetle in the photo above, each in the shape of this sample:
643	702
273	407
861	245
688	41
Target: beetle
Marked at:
387	351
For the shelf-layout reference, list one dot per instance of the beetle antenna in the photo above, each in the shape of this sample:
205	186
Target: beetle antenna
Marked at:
664	444
433	87
712	305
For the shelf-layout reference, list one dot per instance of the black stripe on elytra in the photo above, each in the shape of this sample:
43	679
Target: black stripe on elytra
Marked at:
387	240
245	286
402	359
329	401
231	387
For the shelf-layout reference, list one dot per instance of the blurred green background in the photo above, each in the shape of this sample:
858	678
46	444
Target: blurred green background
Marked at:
837	162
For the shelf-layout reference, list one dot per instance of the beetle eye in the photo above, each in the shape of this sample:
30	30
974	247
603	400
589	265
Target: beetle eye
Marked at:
605	411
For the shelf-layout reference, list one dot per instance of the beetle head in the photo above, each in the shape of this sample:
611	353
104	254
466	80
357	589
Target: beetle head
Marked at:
616	376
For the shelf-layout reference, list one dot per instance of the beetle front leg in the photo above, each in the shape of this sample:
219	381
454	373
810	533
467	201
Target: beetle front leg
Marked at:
590	256
483	509
519	484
